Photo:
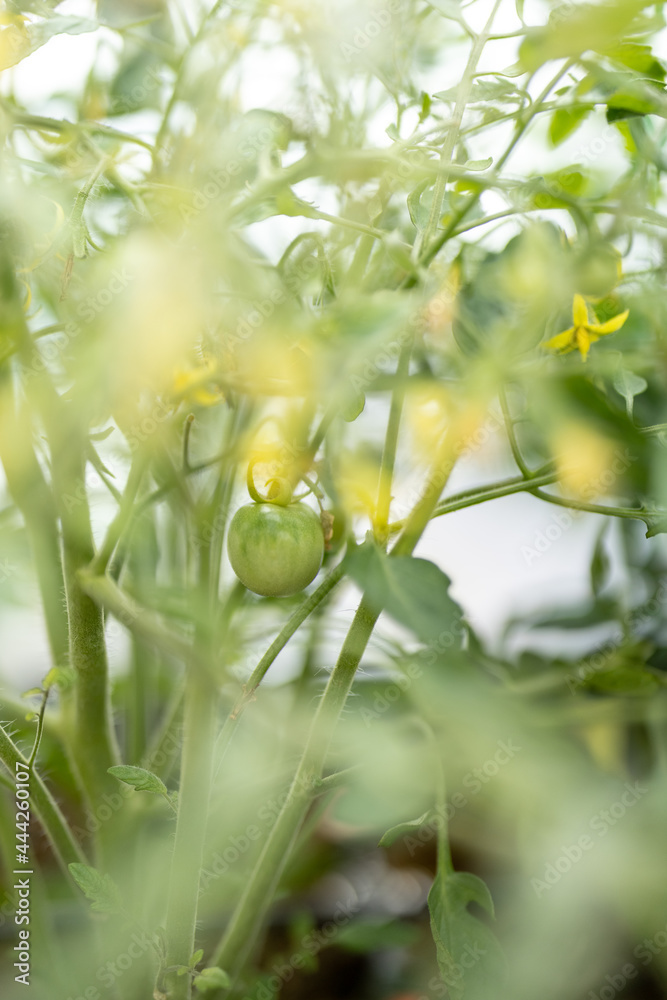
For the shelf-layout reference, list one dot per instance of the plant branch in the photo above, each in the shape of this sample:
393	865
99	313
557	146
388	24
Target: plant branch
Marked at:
54	824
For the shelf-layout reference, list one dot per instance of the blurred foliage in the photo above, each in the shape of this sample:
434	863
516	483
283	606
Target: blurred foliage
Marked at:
331	241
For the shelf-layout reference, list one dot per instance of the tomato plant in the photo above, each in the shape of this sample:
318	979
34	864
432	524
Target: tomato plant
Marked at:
404	259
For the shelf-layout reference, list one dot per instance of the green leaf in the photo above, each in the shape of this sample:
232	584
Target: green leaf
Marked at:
352	405
403	830
19	42
100	889
565	121
419	204
462	941
656	524
628	385
139	778
413	591
212	979
196	958
479	164
373	935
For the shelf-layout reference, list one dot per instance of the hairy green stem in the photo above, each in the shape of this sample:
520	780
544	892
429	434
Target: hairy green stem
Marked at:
34	499
193	798
54	824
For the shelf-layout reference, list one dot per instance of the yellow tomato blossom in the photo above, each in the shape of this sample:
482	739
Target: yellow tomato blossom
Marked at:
584	332
197	386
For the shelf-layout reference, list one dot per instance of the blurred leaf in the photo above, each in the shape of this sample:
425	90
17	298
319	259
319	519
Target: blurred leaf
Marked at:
640	58
469	956
419	204
565	121
100	889
413	591
600	563
574	29
629	385
139	778
371	935
402	830
498	89
479	164
212	979
18	42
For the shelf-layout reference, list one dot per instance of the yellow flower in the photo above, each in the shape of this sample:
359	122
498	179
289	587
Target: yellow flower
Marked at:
584	332
198	386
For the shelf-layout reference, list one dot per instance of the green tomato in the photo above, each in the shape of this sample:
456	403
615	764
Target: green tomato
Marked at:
275	551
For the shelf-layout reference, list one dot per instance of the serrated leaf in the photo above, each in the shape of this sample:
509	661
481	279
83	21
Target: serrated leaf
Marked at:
100	889
139	778
462	941
212	979
413	591
403	830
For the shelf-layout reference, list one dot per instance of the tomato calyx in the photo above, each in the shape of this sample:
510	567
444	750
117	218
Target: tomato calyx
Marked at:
279	488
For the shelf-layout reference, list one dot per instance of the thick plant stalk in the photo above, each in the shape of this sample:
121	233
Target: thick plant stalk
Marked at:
32	496
93	746
193	799
94	740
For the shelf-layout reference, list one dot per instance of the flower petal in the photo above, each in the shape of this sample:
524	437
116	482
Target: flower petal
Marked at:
584	339
611	325
579	311
564	341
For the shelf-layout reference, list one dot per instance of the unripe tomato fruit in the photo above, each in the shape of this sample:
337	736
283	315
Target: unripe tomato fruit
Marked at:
275	551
